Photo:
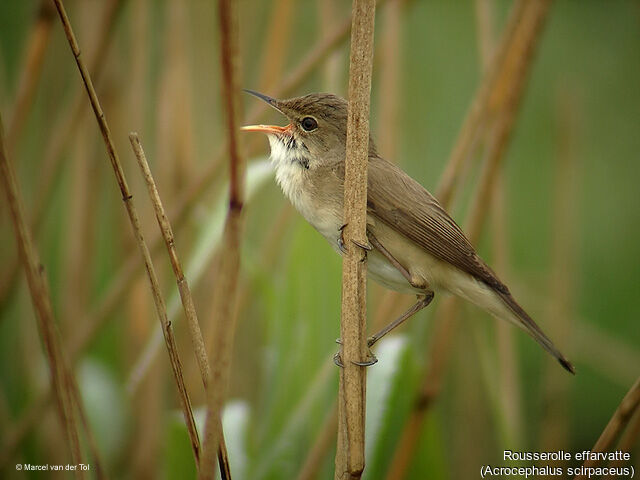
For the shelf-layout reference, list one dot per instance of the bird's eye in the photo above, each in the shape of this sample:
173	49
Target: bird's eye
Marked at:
309	123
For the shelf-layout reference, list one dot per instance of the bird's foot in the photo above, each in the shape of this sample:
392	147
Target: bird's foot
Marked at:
342	245
371	358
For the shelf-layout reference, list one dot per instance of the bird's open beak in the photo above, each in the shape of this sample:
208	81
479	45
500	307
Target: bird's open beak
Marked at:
273	129
269	129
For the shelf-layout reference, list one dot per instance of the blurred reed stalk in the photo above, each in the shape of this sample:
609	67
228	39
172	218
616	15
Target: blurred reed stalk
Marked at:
350	459
61	374
629	406
627	441
135	224
334	65
555	429
174	138
97	464
225	294
517	47
322	444
276	45
481	109
121	281
30	74
61	134
197	340
506	400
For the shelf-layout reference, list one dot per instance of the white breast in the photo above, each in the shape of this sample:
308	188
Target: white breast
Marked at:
292	177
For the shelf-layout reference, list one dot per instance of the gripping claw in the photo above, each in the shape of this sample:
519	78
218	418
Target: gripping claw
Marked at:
367	363
341	244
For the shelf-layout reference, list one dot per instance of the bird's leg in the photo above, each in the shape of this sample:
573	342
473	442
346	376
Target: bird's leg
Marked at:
424	299
415	281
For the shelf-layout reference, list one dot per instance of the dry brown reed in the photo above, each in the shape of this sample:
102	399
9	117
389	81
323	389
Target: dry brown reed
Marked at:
40	296
321	445
627	441
352	390
629	405
225	294
390	100
555	428
276	44
31	70
197	340
479	111
506	382
135	224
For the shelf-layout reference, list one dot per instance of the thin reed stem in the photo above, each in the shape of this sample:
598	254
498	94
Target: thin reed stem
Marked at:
174	357
41	299
30	75
197	340
225	295
352	390
318	450
625	411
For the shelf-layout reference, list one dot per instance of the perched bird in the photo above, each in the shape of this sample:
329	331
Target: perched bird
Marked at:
415	245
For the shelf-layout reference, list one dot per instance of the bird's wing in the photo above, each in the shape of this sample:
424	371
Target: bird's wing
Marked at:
404	205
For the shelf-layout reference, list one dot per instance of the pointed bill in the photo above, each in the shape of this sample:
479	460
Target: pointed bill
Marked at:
272	129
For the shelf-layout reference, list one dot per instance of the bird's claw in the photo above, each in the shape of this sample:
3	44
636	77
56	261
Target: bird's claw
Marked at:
337	359
341	244
365	246
371	358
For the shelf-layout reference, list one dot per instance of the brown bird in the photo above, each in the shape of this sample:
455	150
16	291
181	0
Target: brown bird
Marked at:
416	247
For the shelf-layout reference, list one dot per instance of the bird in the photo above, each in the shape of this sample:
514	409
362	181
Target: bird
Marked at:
414	246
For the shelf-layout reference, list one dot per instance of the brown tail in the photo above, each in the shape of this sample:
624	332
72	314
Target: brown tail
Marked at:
534	330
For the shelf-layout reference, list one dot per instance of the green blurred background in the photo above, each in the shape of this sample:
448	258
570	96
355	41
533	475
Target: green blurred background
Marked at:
568	211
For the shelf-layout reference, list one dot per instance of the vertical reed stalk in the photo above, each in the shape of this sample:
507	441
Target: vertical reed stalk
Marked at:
30	75
225	295
554	429
352	399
